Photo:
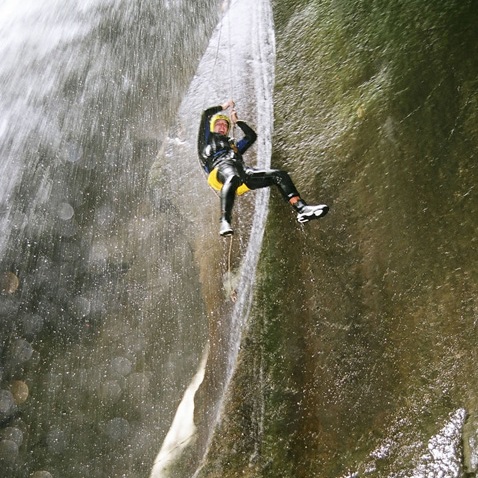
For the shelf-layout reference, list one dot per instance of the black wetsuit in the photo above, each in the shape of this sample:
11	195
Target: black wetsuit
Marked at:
225	154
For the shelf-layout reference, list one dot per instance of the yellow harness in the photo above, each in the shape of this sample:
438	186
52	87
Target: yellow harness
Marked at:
217	185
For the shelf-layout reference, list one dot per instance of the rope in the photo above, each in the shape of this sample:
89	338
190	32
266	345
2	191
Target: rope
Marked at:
231	71
216	58
213	72
233	293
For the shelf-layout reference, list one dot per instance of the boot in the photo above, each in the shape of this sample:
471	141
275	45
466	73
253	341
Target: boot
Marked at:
306	213
225	228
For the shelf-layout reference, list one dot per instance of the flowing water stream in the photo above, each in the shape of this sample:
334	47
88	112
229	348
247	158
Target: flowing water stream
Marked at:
115	284
238	64
135	342
102	321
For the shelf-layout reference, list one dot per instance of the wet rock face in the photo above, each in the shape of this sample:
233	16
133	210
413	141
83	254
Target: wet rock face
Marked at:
470	443
98	288
360	354
363	346
387	321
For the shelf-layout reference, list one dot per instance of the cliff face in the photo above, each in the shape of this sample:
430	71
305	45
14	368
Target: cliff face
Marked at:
360	355
102	324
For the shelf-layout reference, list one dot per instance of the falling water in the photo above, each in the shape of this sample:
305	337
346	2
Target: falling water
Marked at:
238	64
102	323
119	334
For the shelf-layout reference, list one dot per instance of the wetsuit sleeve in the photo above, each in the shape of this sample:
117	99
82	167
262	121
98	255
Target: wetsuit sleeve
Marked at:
249	138
205	133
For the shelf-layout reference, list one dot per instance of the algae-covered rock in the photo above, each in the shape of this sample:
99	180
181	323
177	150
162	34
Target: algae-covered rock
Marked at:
362	344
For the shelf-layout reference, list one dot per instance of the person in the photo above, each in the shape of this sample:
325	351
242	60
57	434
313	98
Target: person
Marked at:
221	158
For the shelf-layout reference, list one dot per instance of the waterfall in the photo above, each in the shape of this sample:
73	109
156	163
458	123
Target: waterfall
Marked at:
238	64
102	323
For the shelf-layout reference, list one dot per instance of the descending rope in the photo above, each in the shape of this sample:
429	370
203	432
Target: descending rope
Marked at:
233	292
213	72
231	72
216	58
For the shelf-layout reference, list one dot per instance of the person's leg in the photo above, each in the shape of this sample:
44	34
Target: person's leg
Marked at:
229	177
260	178
263	178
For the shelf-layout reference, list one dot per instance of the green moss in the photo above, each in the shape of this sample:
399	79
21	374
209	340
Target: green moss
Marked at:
360	332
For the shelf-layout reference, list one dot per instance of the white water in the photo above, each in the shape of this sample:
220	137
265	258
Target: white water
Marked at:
34	35
238	64
182	430
87	89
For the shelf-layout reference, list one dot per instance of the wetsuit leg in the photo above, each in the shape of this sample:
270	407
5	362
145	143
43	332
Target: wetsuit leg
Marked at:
263	178
229	176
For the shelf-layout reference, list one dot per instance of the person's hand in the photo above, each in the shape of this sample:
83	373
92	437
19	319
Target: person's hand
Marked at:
228	104
234	117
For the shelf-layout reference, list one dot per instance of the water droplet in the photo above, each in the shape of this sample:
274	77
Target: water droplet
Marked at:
21	351
83	306
6	402
117	428
8	451
74	152
33	324
65	211
19	391
99	255
42	474
9	282
13	434
121	365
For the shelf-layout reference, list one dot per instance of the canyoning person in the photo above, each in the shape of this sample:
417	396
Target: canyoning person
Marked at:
221	158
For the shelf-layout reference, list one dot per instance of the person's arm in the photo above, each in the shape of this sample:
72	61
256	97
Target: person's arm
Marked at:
205	129
205	132
249	138
250	135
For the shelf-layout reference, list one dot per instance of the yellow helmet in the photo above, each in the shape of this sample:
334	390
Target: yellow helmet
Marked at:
218	117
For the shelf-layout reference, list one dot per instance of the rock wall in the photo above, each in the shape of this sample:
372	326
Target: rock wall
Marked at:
360	356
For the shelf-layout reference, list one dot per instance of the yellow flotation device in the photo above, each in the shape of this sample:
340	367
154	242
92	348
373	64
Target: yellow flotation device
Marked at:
217	185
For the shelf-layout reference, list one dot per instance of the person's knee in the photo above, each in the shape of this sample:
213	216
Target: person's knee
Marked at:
280	176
